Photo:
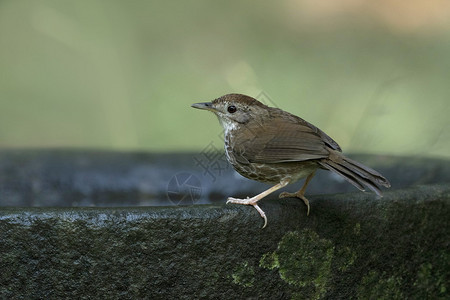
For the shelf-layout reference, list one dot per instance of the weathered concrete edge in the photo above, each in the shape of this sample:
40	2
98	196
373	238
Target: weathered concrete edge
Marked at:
355	245
222	213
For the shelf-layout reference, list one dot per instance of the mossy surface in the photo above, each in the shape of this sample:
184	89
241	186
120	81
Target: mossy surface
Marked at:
303	260
244	275
391	250
352	246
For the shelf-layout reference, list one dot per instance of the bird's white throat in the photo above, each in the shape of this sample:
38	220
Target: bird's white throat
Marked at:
228	125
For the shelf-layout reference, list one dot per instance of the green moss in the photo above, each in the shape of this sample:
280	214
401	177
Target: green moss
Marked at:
244	275
357	229
304	261
432	278
345	258
269	261
380	286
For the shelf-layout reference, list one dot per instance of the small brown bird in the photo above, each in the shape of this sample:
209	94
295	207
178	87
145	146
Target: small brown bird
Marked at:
270	145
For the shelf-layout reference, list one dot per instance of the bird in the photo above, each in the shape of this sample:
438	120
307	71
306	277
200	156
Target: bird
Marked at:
273	146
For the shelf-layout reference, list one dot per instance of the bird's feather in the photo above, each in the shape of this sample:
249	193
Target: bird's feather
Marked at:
281	139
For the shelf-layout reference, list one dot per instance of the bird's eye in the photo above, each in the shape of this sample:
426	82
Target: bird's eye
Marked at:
231	109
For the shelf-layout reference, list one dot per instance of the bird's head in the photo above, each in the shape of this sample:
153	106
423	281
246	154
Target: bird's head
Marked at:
234	110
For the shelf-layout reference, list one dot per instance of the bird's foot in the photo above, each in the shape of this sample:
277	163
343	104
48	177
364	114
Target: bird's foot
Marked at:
287	195
249	201
296	195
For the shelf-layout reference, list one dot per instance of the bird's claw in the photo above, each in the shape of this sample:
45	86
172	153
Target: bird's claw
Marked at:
246	201
249	201
296	195
262	214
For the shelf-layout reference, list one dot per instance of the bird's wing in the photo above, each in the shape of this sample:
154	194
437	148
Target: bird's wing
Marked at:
278	140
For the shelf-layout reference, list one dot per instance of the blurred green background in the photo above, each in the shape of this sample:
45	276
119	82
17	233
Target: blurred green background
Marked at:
121	75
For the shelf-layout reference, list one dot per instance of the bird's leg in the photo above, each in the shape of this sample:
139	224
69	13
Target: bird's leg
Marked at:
253	200
301	192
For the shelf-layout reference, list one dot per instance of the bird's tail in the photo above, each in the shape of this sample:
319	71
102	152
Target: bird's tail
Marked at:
354	172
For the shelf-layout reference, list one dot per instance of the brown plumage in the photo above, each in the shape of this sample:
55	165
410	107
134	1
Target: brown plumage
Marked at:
270	145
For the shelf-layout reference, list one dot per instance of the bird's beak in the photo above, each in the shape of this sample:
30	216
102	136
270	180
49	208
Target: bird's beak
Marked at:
204	105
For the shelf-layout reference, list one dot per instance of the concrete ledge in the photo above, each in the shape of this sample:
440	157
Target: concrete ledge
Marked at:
352	245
